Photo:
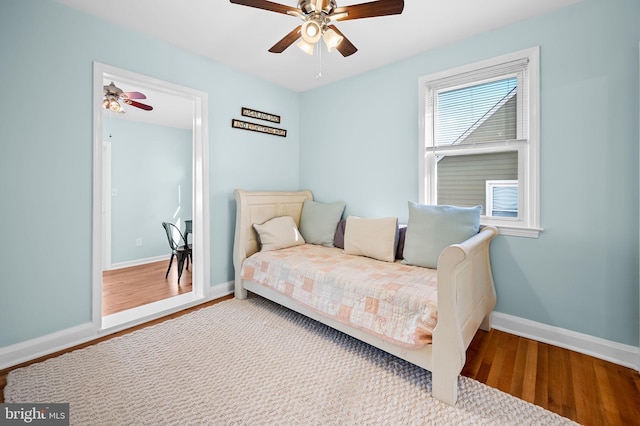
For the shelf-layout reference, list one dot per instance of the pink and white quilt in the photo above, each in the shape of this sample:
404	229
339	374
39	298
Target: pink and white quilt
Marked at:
395	301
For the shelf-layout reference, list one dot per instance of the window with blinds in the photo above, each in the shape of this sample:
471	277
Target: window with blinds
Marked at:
477	141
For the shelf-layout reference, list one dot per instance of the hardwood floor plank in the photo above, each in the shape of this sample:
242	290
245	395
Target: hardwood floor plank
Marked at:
568	400
530	372
627	391
487	360
582	376
542	376
557	394
475	353
509	345
495	368
520	361
608	402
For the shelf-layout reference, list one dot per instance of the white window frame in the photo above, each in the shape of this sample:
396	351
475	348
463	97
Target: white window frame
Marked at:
490	185
527	145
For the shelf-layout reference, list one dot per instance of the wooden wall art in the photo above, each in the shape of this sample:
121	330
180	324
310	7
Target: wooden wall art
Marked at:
254	127
248	112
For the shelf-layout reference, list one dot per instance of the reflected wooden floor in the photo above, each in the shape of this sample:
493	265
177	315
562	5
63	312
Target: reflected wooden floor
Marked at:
135	286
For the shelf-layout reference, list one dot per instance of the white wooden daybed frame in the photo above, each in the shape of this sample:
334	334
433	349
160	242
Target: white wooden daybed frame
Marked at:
466	294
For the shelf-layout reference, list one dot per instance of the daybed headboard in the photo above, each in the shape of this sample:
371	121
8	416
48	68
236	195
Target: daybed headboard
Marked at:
258	207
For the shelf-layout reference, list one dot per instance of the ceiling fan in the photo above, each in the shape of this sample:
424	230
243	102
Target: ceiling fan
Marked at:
112	94
318	16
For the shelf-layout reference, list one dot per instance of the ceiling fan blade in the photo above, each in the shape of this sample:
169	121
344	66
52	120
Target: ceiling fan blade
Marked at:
369	10
138	105
286	41
266	5
346	48
133	95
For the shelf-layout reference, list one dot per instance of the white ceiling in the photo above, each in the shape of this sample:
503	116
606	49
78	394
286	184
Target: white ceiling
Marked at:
240	36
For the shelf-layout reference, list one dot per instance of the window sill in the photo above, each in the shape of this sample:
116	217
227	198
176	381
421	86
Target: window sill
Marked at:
517	231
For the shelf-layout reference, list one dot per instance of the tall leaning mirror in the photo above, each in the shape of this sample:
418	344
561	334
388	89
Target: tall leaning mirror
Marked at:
150	168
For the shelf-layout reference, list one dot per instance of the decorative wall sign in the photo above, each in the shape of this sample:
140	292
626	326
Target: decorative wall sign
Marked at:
247	112
238	124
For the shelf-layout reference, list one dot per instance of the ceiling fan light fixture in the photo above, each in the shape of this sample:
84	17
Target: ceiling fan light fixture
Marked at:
305	47
332	39
114	105
311	31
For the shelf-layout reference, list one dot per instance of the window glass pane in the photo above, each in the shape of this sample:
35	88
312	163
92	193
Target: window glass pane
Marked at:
476	114
461	179
505	201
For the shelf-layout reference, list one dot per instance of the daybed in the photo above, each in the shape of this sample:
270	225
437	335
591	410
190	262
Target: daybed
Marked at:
465	291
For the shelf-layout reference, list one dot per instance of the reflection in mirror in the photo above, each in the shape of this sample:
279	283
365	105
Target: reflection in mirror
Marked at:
151	175
149	135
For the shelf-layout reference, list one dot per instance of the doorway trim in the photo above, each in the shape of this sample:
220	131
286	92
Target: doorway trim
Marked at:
200	167
106	205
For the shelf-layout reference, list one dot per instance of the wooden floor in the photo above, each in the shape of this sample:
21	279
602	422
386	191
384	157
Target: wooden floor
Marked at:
587	390
131	287
582	388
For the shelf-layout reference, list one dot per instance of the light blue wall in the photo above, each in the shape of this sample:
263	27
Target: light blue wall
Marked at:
151	181
46	69
582	273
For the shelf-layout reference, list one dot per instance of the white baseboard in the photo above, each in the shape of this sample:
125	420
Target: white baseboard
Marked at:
138	262
44	345
618	353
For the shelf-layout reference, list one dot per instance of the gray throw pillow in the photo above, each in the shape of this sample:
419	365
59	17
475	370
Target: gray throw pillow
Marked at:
318	222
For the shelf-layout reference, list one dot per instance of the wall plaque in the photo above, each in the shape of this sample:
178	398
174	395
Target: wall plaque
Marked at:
247	112
239	124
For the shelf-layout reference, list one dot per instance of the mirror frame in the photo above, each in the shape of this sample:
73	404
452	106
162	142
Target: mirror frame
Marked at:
200	166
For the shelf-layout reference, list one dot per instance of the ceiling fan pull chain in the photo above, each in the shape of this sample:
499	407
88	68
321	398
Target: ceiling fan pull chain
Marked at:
319	62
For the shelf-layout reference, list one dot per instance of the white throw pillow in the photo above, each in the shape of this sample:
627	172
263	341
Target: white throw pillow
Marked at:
375	238
277	233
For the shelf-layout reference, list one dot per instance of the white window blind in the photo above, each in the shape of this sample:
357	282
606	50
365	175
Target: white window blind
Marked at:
488	109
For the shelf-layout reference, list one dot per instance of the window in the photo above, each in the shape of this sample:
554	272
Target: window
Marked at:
479	140
502	198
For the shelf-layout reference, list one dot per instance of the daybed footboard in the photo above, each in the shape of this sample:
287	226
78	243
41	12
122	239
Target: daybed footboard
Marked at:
466	295
466	298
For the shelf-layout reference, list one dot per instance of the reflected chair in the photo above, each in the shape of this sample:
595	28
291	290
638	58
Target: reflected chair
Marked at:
179	248
187	231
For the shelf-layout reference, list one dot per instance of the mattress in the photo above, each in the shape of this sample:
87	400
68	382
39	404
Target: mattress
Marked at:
394	301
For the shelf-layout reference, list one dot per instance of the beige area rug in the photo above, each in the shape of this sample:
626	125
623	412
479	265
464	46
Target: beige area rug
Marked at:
251	362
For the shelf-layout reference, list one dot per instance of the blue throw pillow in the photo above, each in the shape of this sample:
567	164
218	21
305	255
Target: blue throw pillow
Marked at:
432	228
318	222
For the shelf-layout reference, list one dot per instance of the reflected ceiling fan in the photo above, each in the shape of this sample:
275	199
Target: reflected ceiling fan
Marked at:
113	94
318	16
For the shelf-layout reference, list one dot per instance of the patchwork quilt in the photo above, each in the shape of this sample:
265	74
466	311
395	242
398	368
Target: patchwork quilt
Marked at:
394	301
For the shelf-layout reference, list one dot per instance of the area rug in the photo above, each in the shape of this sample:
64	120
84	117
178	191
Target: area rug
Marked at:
252	362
